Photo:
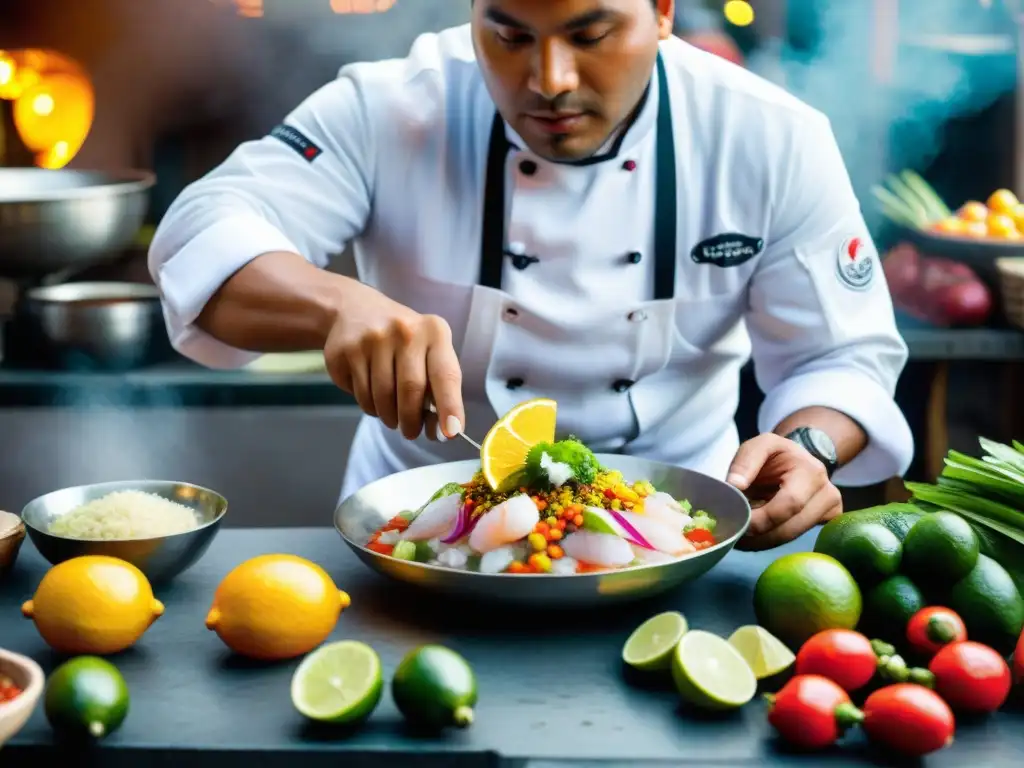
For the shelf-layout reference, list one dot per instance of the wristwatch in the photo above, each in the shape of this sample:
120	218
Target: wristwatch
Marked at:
818	444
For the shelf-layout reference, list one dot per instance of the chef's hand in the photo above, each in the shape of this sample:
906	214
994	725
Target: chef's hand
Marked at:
390	358
793	485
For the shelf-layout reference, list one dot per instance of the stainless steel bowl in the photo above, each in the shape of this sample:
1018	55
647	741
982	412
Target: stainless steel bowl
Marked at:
96	325
358	516
51	220
161	558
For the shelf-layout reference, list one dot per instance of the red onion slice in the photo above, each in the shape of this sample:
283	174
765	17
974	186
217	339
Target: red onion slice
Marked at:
464	523
631	533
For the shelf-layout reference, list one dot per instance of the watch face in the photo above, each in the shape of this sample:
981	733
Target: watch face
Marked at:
822	443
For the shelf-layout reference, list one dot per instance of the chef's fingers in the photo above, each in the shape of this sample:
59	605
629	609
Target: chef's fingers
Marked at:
796	491
411	375
382	383
359	370
752	456
825	505
445	376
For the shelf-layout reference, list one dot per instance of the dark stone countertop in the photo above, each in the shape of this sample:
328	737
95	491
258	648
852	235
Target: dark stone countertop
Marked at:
551	690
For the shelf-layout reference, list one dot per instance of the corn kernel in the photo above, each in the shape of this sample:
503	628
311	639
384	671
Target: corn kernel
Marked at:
552	521
541	562
538	541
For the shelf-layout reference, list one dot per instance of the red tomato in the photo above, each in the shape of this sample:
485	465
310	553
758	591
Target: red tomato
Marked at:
909	719
933	627
811	712
971	677
700	536
841	655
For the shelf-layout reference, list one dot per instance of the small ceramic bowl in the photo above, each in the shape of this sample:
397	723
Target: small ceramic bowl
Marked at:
12	533
28	676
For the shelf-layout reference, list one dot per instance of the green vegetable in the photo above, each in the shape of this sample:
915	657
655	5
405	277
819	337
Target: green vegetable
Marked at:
908	200
581	461
988	492
448	489
701	519
404	550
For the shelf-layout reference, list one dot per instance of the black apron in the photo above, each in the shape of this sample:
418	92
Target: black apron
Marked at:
494	249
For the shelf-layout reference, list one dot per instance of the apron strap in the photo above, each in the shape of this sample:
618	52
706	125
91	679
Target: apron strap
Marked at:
492	240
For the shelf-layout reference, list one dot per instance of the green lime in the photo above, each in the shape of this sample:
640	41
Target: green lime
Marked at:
941	547
802	593
869	551
597	521
651	645
889	606
990	604
86	697
709	673
763	651
434	687
898	518
338	683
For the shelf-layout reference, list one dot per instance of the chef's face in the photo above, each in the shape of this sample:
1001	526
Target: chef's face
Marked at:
566	73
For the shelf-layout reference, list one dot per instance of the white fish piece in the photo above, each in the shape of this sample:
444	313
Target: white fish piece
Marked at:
436	519
601	549
661	506
651	556
508	522
660	535
453	558
390	537
563	566
497	560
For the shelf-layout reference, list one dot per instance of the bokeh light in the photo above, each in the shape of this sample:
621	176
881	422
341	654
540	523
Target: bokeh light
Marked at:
739	13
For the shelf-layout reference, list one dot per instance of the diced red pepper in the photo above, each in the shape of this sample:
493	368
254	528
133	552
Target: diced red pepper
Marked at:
609	493
384	549
701	538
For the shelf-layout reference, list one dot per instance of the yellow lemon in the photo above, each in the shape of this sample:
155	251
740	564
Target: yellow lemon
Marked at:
275	607
93	605
503	451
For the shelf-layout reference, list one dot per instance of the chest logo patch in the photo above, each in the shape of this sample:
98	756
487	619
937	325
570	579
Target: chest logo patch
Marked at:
297	141
855	264
727	250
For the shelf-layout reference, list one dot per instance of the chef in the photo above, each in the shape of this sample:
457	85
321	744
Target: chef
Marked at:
559	199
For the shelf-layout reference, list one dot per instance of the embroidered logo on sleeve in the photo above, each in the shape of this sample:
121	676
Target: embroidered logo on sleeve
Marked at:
855	264
297	141
727	250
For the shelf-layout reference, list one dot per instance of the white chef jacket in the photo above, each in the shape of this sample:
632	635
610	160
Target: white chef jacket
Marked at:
774	259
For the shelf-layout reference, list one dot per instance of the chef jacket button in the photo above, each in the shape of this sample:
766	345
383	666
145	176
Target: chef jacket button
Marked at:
629	165
521	261
511	313
637	316
622	385
634	257
514	383
528	167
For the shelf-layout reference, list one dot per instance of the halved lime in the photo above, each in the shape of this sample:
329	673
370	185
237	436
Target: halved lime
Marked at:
338	683
764	652
709	673
651	644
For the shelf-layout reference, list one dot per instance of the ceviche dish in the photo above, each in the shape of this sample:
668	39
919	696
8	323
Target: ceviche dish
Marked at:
544	507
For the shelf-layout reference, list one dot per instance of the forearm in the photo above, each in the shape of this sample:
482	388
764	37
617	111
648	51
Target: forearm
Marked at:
278	302
849	438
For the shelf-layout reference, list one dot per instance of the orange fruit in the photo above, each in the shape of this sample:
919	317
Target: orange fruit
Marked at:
1003	201
1001	226
503	451
275	607
93	605
975	229
950	226
973	211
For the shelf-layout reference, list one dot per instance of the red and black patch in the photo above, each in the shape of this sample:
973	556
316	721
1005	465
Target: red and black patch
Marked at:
297	141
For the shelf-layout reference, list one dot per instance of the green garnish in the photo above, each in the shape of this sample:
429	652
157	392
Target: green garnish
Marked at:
580	459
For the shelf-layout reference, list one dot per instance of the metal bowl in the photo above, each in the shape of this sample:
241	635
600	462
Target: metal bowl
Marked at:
85	326
161	558
358	516
51	220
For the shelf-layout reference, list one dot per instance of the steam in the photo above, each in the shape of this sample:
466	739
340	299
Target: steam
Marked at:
899	125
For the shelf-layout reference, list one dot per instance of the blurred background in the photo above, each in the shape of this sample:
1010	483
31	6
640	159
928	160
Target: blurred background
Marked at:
144	97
